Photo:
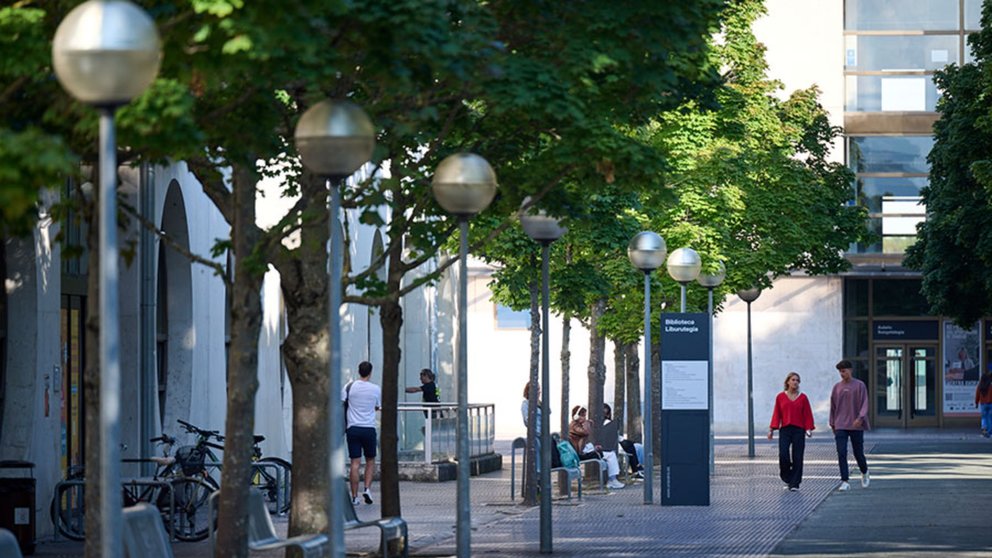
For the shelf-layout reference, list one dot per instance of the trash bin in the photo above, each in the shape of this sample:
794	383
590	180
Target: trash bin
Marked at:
17	503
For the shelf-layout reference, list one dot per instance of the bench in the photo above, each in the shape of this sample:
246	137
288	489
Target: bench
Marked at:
9	548
262	532
518	443
391	528
569	474
144	533
601	468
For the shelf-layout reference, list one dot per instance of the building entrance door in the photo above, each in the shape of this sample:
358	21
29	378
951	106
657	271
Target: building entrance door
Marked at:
905	385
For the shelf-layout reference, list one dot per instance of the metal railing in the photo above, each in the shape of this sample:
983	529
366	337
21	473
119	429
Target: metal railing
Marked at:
427	431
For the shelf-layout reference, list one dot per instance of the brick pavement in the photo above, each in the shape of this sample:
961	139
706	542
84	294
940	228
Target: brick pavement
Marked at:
750	513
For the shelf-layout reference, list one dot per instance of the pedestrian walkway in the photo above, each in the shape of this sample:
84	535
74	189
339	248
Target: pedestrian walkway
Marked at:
927	498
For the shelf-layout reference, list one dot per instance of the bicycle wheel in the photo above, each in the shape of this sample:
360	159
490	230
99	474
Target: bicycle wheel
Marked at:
66	511
267	480
191	514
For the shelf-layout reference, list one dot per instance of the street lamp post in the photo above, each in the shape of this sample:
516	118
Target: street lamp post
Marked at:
711	281
684	265
105	53
545	230
646	252
749	296
463	185
334	139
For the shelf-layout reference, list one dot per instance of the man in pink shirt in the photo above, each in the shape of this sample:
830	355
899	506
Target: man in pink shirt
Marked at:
849	420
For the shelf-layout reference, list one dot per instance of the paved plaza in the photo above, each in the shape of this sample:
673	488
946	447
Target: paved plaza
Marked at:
929	497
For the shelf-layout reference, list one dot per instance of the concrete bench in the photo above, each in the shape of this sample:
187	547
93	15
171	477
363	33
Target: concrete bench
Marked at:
144	533
262	532
391	528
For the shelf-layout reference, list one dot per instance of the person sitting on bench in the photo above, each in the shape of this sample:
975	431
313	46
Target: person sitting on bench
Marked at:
579	432
628	447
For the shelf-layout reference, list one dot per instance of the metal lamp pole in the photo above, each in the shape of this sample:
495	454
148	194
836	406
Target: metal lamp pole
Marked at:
544	229
711	281
106	68
646	251
463	185
749	296
334	139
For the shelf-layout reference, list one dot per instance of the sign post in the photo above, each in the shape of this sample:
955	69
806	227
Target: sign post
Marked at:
685	425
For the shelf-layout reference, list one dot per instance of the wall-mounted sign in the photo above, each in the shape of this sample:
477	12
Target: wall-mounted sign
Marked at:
905	330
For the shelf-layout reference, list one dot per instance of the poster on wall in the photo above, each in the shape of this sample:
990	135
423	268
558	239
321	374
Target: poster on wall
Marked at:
961	369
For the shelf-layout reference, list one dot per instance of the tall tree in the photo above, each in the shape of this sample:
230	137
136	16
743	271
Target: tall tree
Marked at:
954	245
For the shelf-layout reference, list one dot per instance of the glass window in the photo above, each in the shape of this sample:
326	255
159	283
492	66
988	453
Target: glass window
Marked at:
873	190
889	53
881	93
856	338
972	14
861	15
511	319
898	297
906	154
855	300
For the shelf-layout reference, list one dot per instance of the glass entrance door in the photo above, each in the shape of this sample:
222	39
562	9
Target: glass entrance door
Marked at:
905	385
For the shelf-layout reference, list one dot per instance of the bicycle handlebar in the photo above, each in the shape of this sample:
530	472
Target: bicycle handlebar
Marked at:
164	439
199	431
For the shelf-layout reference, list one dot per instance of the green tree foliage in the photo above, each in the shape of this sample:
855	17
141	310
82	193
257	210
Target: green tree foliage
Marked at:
954	245
746	181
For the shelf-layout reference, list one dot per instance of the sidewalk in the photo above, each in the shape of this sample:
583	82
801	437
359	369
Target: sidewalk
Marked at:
926	499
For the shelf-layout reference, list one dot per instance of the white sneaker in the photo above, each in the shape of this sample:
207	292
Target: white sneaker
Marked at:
844	486
355	501
865	479
615	484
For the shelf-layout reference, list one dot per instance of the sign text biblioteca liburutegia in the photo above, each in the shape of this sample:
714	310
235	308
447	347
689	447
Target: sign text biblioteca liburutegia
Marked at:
676	325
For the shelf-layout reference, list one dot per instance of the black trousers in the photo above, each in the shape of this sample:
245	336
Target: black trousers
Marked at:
791	446
631	451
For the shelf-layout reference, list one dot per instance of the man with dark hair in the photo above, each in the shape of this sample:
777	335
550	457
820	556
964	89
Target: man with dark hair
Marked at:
849	420
363	399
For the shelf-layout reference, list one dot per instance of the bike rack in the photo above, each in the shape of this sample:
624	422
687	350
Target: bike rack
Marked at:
280	474
62	486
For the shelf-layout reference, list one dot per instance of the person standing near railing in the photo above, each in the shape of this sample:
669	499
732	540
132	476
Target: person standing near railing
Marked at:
363	399
431	392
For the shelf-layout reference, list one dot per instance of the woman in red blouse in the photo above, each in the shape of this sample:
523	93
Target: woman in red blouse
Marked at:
793	418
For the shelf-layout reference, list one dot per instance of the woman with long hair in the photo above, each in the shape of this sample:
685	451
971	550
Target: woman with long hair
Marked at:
983	398
792	416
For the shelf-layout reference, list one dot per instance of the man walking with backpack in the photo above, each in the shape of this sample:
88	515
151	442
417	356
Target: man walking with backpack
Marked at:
363	399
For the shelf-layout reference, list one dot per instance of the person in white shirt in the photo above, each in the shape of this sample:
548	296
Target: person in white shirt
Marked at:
363	399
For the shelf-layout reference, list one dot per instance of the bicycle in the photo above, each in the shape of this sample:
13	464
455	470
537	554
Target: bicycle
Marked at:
181	499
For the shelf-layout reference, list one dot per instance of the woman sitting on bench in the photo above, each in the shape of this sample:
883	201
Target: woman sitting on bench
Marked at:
579	431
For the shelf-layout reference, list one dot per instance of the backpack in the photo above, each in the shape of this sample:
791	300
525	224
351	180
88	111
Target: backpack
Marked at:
569	459
347	395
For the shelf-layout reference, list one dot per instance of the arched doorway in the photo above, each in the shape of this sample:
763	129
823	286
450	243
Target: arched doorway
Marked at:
174	314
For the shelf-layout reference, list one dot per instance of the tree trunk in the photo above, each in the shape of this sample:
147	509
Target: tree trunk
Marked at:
530	474
619	383
566	358
242	370
596	371
391	320
633	364
306	353
91	391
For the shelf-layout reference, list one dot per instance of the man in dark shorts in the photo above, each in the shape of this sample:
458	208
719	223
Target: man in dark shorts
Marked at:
363	398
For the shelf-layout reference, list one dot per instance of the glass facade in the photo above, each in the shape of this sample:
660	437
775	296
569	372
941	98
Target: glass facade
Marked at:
891	50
